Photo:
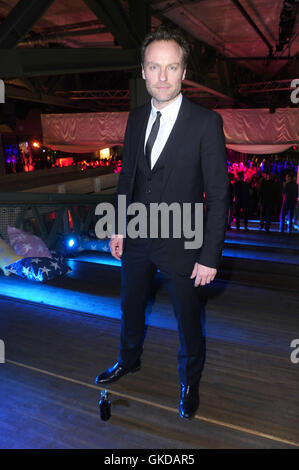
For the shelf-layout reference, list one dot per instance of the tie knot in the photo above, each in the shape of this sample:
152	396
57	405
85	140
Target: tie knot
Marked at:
158	115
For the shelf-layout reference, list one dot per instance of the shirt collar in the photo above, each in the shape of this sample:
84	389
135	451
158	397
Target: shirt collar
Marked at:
170	111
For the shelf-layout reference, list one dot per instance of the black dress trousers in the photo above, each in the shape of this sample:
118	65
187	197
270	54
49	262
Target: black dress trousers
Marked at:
140	261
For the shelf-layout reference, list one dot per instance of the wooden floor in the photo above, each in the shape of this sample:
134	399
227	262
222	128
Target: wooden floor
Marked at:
248	394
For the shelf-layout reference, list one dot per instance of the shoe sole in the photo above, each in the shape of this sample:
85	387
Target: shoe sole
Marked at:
110	381
132	371
187	418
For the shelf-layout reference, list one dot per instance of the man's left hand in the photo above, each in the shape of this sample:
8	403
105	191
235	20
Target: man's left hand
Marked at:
203	274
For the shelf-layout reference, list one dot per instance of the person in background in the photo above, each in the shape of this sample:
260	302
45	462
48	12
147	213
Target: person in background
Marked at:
290	196
242	194
277	202
231	201
267	198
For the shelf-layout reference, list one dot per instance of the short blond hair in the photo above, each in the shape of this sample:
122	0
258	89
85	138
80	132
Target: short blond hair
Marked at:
164	33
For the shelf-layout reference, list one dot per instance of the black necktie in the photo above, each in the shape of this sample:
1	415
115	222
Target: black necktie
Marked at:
151	139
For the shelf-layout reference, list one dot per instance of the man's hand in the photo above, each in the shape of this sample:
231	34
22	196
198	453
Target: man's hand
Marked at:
116	246
202	274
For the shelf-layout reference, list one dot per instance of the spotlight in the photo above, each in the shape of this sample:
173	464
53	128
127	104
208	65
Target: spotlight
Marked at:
71	242
36	144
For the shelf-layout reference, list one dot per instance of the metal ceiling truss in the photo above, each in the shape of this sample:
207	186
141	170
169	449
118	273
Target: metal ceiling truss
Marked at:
55	37
209	71
24	94
105	95
41	62
116	19
266	87
20	20
253	24
122	97
128	27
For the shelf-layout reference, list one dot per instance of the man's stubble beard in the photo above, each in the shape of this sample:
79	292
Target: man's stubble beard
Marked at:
167	99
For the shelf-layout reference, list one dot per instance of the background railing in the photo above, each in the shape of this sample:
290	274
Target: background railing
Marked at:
50	216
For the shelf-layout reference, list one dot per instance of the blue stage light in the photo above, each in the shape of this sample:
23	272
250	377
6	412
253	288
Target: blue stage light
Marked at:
71	242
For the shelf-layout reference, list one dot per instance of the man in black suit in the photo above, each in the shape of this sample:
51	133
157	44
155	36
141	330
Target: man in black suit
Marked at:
186	147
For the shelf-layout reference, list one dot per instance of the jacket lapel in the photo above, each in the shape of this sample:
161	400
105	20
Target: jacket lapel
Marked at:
140	136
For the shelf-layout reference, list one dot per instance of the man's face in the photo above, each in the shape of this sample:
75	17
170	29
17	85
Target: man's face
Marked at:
163	71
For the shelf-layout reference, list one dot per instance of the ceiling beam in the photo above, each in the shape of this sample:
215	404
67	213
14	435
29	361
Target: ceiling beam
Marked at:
252	23
206	89
266	87
20	20
41	62
117	21
140	16
55	37
23	94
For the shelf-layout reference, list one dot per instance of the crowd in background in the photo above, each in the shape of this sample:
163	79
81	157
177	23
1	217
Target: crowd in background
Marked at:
265	190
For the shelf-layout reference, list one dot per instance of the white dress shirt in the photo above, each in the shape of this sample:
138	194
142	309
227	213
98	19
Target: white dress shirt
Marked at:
167	120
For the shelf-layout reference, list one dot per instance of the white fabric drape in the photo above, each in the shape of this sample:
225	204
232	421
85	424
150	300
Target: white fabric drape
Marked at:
258	149
255	131
83	132
258	131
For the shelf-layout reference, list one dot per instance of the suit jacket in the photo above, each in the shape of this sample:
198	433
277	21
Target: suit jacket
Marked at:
195	171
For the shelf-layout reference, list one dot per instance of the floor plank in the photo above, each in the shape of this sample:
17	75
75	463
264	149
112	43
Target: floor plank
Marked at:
246	383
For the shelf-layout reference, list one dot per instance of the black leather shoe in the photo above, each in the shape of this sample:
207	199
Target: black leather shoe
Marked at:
189	401
115	372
